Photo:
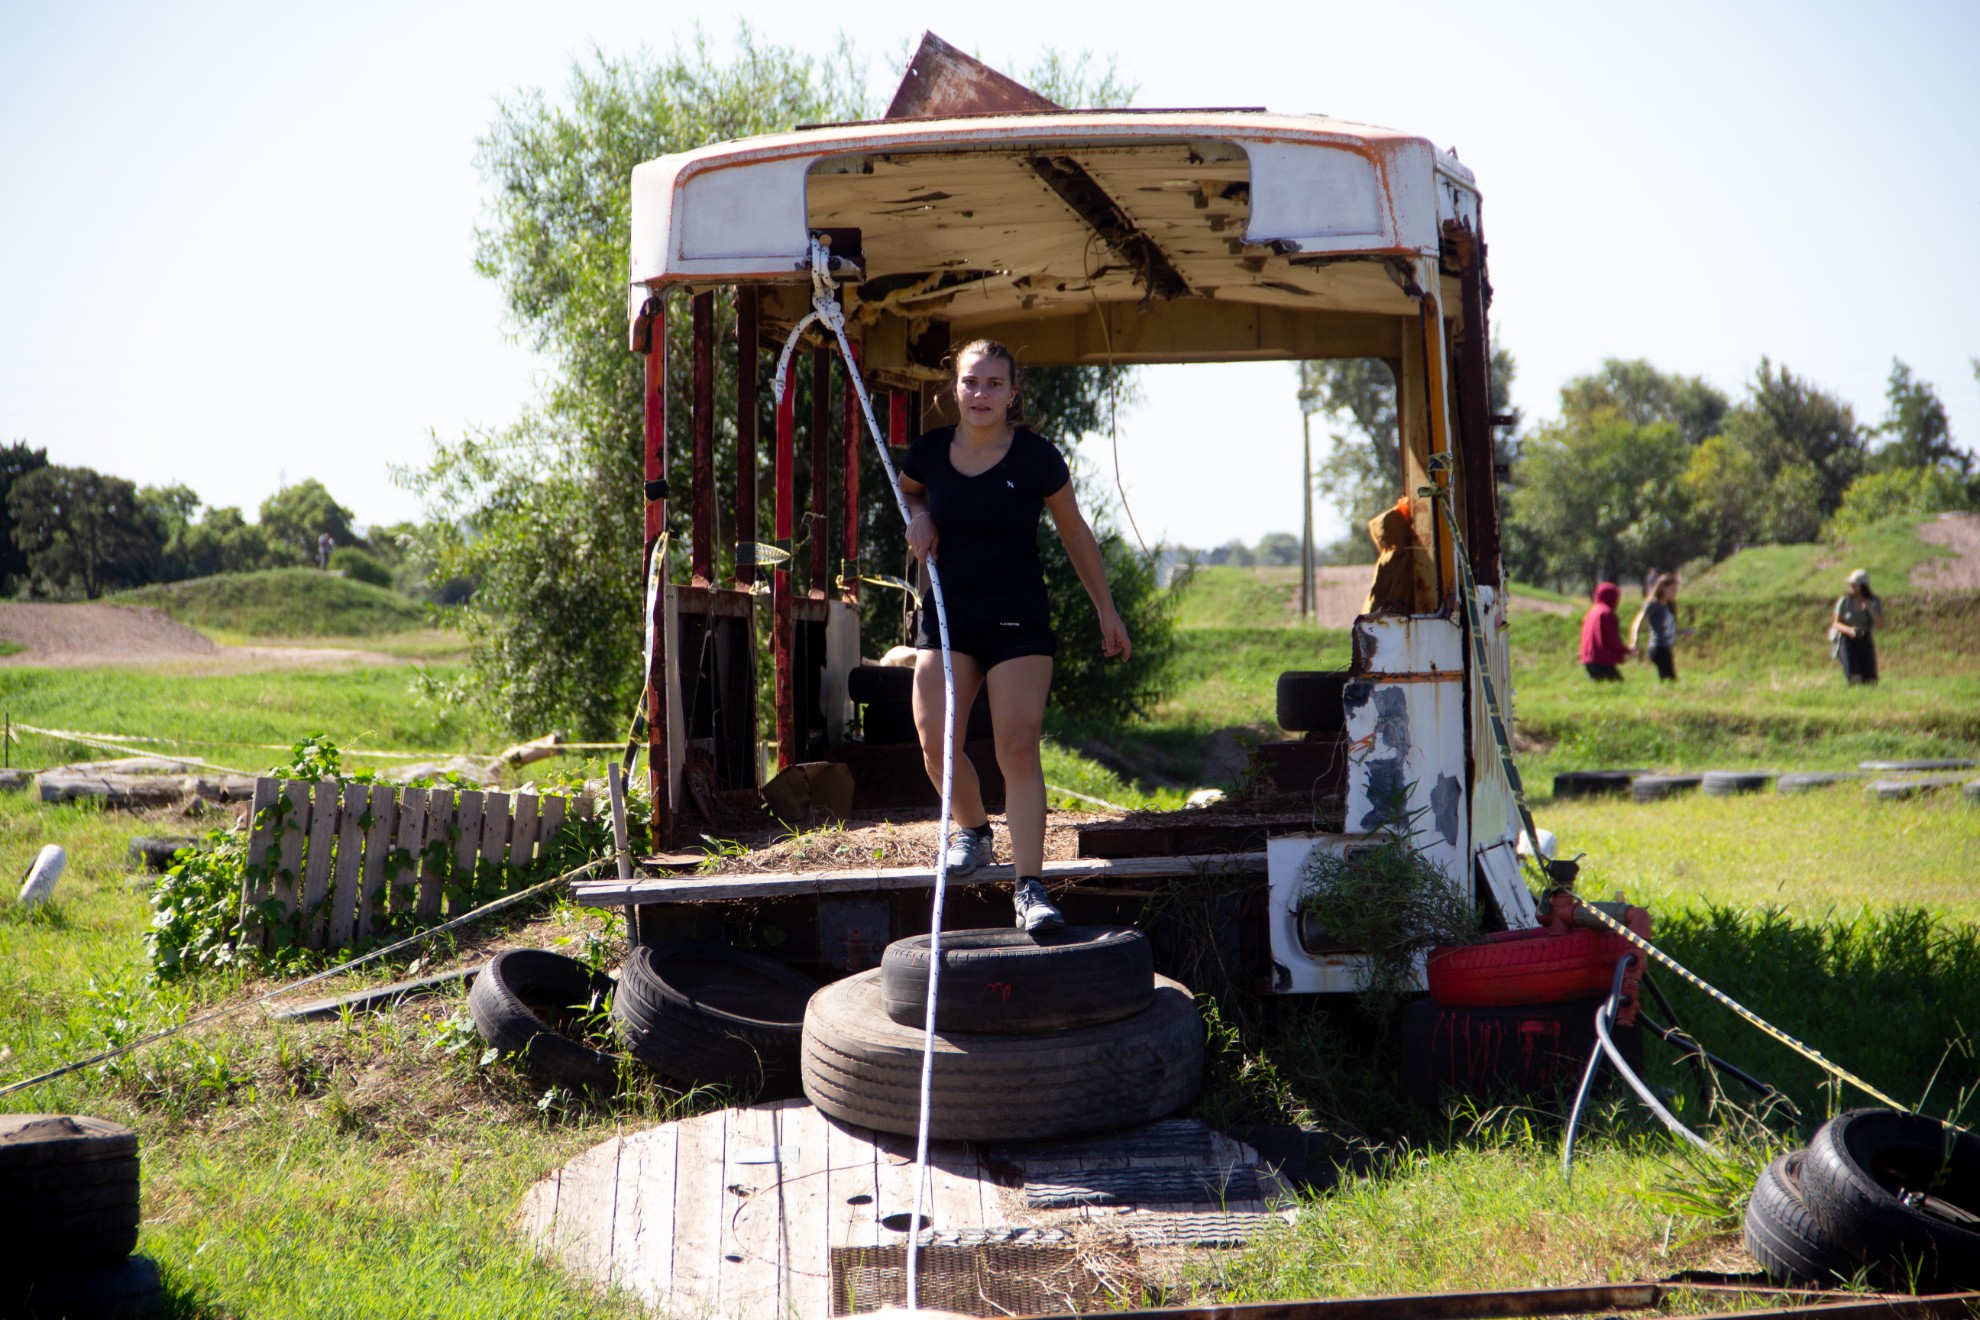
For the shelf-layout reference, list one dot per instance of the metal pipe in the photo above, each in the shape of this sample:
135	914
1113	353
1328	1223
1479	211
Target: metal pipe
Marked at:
849	488
817	509
655	441
780	583
701	479
747	332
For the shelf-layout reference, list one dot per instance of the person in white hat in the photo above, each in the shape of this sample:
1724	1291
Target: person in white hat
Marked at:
1857	615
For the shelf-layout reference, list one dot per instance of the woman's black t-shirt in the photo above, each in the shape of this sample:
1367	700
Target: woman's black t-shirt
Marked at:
988	524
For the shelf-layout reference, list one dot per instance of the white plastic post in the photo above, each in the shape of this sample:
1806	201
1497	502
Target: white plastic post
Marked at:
41	877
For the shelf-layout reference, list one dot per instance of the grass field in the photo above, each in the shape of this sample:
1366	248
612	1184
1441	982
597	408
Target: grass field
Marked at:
371	1167
282	602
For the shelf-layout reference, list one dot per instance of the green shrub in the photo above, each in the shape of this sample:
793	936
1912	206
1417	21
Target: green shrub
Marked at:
360	566
1908	493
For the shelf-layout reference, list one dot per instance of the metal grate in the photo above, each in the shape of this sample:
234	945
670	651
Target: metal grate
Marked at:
988	1280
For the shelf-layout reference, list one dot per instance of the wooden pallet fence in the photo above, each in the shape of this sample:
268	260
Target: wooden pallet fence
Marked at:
339	861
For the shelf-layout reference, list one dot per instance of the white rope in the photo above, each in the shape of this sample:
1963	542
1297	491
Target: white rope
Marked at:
825	310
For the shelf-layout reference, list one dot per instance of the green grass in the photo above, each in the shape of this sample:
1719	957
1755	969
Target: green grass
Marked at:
1888	551
1260	597
223	717
282	602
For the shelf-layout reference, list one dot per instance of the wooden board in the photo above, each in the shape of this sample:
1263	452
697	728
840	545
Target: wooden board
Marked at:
256	886
373	896
436	860
701	889
522	831
350	864
738	1213
317	860
494	831
288	851
404	880
467	847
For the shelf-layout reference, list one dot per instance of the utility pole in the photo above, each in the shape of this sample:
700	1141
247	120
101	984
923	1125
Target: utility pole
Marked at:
1309	403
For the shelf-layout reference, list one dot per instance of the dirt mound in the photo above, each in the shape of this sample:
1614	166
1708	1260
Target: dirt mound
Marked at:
97	634
1959	571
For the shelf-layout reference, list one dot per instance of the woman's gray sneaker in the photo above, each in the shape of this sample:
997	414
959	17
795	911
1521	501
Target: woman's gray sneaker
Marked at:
969	850
1034	910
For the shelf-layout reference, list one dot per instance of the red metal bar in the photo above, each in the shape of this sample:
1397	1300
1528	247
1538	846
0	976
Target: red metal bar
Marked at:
701	495
781	633
897	418
745	518
1504	1305
655	444
817	511
849	491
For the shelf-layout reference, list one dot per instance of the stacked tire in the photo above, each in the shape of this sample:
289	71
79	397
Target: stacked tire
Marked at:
884	695
697	1012
1037	1036
69	1220
1890	1197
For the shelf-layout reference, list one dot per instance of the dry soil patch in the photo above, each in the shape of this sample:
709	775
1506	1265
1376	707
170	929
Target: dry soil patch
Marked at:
1959	571
76	636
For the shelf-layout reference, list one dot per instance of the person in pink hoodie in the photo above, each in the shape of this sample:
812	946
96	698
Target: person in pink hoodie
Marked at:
1602	646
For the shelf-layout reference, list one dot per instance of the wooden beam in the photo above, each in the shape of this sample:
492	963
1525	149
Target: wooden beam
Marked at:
702	889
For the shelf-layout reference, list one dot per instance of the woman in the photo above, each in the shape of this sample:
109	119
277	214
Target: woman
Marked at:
1602	646
1856	617
1660	612
973	492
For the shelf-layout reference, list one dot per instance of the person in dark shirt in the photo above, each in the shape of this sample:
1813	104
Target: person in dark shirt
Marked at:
974	492
1660	613
1853	627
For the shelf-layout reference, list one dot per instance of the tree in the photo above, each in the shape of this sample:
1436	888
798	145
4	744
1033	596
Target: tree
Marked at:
1362	473
1789	424
83	531
1906	492
1918	430
292	519
224	541
1601	499
1278	549
1723	483
544	517
16	461
1639	393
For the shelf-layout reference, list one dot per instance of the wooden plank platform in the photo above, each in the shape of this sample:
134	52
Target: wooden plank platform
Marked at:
867	880
745	1212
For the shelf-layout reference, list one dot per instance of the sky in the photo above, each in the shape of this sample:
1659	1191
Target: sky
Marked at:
236	240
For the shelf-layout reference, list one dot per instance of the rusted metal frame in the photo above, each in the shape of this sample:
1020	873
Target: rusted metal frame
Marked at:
942	82
782	636
1479	467
701	498
855	442
655	446
1438	389
818	508
1534	1302
744	521
1091	203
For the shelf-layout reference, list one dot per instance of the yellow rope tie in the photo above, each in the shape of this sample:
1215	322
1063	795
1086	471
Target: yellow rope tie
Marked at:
1813	1055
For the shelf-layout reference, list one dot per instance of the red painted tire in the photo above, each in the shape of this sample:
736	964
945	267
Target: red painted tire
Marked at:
1526	967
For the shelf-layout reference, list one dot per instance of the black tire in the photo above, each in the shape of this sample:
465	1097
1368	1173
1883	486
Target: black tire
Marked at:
45	1141
1309	700
1784	1235
887	724
864	1068
1005	982
1952	763
1731	783
1859	1170
1655	788
525	1001
1803	780
701	1013
156	853
1593	783
880	683
68	1192
127	1290
1491	1053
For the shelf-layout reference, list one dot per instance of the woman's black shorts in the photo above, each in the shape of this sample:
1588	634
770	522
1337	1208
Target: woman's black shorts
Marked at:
989	630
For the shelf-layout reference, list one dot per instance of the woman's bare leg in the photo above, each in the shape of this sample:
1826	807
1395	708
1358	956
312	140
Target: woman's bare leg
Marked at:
966	793
1017	712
